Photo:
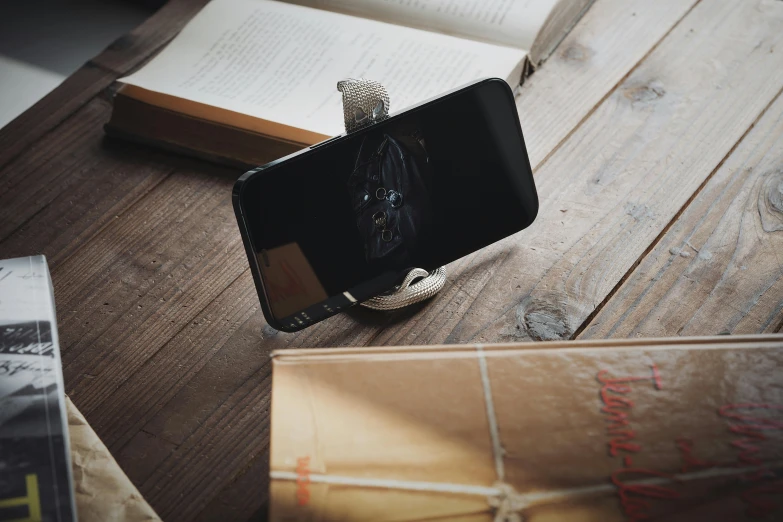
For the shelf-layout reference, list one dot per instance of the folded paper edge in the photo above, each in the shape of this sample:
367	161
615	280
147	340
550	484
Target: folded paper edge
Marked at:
102	491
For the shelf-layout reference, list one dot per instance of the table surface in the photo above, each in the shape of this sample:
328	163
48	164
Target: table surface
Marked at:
656	136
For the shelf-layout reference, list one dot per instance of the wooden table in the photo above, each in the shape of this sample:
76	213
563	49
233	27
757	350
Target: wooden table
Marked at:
656	134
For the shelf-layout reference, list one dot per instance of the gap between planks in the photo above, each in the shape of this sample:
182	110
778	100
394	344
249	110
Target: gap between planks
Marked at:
678	147
654	244
726	249
603	99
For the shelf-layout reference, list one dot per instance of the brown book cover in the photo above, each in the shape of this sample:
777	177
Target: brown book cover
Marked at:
663	429
135	120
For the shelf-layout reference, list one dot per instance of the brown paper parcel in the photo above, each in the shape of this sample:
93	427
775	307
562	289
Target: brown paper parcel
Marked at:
102	490
678	429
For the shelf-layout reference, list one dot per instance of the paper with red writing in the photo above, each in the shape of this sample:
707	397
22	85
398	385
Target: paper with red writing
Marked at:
676	430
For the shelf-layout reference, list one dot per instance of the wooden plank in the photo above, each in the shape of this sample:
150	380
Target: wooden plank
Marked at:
143	278
612	37
620	178
235	503
197	403
226	347
116	60
180	479
98	258
719	268
233	344
610	40
75	192
190	380
236	435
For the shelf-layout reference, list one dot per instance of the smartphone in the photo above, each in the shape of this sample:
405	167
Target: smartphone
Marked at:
344	220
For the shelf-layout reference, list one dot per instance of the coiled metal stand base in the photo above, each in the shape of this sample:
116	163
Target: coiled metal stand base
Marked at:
408	292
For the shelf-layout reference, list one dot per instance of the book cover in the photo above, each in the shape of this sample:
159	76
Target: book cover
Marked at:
35	471
675	430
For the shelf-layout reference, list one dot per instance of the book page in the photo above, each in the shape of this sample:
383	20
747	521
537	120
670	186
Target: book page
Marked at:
514	23
281	63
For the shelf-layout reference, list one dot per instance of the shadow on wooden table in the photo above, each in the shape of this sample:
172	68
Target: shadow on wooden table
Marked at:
367	317
171	159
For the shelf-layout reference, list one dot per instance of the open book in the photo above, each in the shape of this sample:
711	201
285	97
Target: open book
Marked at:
248	81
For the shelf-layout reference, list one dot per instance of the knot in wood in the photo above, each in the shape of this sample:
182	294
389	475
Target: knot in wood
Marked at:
576	53
543	320
770	202
644	93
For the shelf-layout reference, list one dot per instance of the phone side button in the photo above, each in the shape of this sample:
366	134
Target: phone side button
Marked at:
325	142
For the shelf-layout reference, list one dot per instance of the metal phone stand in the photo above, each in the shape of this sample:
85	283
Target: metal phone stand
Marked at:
366	102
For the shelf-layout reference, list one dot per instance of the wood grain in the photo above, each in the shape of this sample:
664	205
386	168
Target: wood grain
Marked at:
81	184
232	346
235	503
165	350
613	36
719	268
619	180
142	279
107	327
190	380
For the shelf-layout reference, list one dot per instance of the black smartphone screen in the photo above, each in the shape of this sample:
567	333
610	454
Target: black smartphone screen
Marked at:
346	220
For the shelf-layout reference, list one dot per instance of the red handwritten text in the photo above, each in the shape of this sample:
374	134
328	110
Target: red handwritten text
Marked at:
644	492
618	408
753	429
303	481
689	461
638	499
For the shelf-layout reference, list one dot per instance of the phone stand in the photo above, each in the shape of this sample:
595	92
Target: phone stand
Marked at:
366	102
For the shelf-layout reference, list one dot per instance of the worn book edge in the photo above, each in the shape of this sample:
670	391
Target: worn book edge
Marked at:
446	350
